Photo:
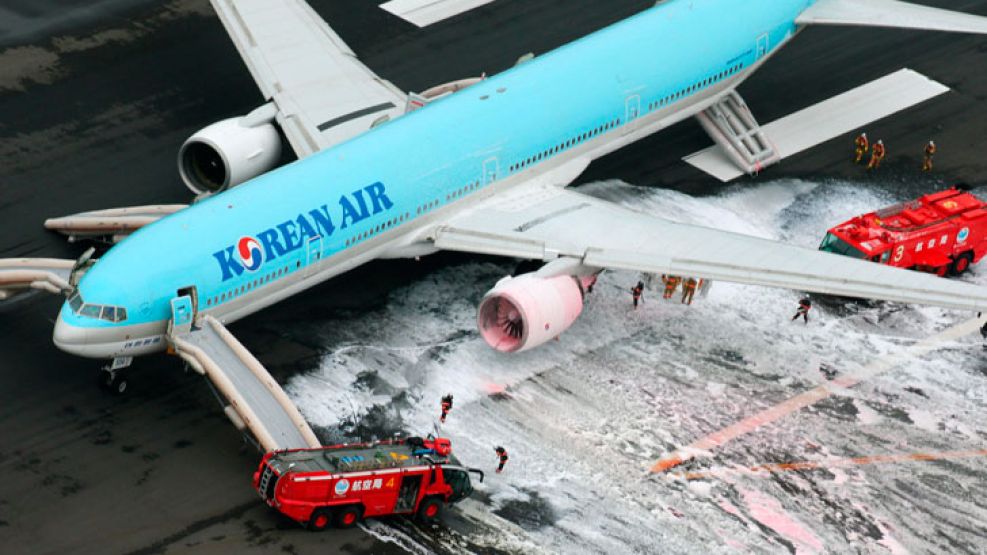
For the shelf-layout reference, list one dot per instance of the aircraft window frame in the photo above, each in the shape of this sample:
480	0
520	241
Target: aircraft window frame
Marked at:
108	313
86	310
76	306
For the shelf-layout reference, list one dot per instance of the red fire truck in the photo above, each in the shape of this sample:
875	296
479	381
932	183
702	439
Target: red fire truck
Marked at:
942	233
341	484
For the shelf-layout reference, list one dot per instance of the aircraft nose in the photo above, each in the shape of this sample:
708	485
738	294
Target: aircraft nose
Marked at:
69	338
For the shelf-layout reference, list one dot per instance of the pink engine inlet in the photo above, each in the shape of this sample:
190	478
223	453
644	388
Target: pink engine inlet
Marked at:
527	311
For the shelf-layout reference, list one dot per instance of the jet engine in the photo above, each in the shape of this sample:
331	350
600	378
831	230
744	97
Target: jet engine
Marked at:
523	312
227	153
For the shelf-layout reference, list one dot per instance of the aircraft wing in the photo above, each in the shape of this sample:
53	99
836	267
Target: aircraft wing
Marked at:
545	222
890	13
323	94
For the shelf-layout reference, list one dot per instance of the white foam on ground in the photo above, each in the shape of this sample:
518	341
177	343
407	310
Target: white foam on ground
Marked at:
583	418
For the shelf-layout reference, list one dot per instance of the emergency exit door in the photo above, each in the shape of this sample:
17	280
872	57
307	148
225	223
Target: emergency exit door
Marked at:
314	249
762	46
490	170
632	112
408	493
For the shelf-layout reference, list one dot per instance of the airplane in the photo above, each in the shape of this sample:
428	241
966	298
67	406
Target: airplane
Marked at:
477	166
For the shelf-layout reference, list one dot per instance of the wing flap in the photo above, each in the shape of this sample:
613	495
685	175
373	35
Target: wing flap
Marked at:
890	13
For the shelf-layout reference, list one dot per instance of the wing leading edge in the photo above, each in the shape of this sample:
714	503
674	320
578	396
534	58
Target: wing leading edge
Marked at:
890	13
323	93
558	223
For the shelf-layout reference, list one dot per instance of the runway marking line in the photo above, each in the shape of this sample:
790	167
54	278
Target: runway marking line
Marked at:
811	397
832	463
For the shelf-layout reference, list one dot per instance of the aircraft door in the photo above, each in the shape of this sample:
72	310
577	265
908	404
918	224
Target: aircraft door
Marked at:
314	248
408	494
490	170
193	293
182	316
632	113
762	46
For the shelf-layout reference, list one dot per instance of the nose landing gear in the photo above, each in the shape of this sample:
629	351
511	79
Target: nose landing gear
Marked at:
113	377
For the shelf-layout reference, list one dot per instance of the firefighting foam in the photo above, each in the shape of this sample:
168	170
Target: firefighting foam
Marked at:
590	413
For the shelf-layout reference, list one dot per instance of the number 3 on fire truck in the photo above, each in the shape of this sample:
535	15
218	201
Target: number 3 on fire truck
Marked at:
899	252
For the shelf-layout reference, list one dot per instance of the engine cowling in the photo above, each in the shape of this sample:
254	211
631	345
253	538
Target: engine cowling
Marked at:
527	311
227	153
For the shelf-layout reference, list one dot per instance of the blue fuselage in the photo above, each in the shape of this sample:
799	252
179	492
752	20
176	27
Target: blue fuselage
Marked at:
374	196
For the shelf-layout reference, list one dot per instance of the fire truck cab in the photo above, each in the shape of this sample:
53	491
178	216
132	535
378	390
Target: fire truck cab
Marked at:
341	484
941	233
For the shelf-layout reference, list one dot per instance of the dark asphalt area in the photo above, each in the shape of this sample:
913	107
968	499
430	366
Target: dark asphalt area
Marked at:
92	112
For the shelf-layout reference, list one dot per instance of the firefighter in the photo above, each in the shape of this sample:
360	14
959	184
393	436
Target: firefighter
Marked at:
502	455
671	284
930	151
805	305
446	407
863	145
877	155
689	290
637	291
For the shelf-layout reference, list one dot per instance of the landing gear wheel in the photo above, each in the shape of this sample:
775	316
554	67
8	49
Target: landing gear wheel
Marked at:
114	382
961	264
320	520
347	517
429	511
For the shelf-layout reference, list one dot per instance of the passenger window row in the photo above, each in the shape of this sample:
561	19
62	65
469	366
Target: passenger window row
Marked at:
246	288
672	98
458	193
428	207
583	137
380	227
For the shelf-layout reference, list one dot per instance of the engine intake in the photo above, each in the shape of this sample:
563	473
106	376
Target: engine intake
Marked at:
228	153
527	311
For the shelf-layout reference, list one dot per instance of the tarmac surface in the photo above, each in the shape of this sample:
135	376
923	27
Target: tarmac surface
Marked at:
96	98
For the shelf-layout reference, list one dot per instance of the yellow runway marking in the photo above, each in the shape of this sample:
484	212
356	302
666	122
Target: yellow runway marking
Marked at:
832	463
812	396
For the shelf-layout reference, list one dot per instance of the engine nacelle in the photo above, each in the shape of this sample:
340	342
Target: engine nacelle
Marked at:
227	153
527	311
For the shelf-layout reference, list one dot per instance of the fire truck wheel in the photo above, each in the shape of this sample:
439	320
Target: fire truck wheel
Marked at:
430	510
347	517
320	520
961	264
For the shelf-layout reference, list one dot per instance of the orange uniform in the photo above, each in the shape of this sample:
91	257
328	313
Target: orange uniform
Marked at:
863	145
930	151
877	156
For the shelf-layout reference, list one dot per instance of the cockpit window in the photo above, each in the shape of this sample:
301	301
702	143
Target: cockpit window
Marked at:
90	310
100	312
75	302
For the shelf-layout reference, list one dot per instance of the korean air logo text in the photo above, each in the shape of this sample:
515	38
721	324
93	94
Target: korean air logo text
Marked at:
251	254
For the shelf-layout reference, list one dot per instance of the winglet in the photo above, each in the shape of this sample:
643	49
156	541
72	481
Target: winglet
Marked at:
890	13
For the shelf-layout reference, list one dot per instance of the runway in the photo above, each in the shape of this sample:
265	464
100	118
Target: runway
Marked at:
96	98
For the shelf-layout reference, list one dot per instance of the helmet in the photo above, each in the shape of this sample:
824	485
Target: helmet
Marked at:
864	135
880	143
